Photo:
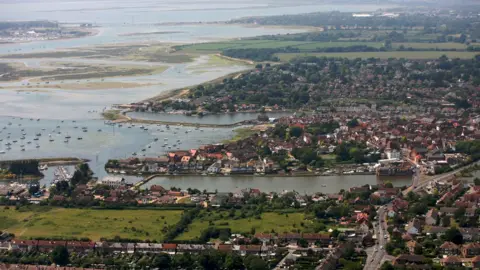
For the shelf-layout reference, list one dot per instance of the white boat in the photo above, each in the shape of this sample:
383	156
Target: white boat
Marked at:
123	172
2	152
44	167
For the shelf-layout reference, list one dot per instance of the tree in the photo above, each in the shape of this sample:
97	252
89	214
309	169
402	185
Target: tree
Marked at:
460	213
60	255
352	123
388	184
453	235
233	262
303	243
257	264
476	181
162	261
387	266
295	132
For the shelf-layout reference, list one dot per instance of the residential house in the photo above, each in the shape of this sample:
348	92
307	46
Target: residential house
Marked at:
470	234
412	245
264	237
414	226
471	250
449	248
409	259
431	217
169	248
80	247
451	261
148	248
317	238
439	231
447	211
192	248
225	248
47	246
290	237
24	245
118	247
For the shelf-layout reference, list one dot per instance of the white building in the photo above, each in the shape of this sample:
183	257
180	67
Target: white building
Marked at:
112	181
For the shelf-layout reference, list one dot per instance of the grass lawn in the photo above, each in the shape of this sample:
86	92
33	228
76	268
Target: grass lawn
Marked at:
383	55
93	224
280	223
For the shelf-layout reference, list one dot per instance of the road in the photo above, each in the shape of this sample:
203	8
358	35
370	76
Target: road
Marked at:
377	255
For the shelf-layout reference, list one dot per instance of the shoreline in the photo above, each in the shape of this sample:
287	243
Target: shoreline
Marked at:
91	33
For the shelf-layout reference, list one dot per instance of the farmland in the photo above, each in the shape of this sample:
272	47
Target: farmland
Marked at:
93	224
384	55
216	47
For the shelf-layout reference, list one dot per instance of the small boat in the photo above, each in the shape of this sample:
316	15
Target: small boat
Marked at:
68	137
149	146
85	130
99	130
9	148
66	141
324	185
2	152
14	141
79	138
156	139
123	172
38	134
36	139
22	138
37	146
29	142
75	127
44	129
134	154
23	149
8	143
43	167
58	126
51	140
144	150
165	139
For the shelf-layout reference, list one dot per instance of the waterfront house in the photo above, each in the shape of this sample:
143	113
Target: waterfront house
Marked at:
113	181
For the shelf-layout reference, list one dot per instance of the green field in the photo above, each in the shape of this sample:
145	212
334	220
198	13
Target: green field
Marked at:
280	223
93	224
441	46
263	44
383	55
